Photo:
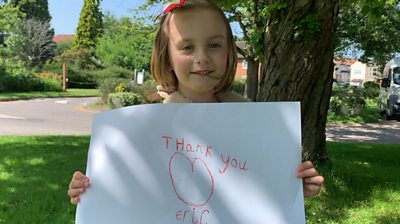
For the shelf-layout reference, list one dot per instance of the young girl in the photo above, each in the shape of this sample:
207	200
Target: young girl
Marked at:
194	60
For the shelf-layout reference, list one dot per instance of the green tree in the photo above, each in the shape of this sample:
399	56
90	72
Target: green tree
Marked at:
37	9
31	42
372	27
125	42
89	26
298	65
9	17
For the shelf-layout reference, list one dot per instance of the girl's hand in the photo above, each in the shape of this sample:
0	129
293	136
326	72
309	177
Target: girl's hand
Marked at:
312	181
77	186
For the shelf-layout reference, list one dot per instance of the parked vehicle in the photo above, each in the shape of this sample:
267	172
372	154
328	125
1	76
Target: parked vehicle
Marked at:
389	96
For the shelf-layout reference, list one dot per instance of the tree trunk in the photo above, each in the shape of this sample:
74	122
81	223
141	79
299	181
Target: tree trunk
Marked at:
298	65
252	79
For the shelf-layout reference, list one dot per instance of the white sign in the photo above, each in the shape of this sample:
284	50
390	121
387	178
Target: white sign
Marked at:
195	164
140	77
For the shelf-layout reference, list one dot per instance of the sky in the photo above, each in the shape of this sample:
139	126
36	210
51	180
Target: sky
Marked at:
65	13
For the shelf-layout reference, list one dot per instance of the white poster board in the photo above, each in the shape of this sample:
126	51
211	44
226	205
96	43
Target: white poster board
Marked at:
195	163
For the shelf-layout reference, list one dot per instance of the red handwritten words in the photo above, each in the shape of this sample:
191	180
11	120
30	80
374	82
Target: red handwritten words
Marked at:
232	162
181	145
185	195
191	214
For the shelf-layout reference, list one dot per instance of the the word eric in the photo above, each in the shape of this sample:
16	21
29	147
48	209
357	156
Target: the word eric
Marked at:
190	214
181	145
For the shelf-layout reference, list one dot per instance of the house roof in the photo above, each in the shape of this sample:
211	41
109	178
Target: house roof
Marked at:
241	44
62	37
344	61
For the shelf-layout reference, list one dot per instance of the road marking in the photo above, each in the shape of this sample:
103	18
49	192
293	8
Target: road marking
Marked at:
61	101
11	117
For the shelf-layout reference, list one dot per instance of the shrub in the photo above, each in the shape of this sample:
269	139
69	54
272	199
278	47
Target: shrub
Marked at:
371	90
148	91
80	58
22	83
109	85
113	72
346	101
3	73
239	86
78	78
52	85
123	99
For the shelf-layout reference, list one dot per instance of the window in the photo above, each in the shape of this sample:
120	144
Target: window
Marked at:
396	75
244	64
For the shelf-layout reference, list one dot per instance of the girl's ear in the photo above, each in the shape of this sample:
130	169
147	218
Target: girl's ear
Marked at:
168	67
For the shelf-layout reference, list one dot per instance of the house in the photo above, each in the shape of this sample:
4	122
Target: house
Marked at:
353	72
62	37
241	68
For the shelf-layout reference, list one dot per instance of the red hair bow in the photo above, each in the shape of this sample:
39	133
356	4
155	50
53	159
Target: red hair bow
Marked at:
173	6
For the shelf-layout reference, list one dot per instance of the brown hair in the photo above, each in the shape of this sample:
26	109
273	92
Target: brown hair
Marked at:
160	58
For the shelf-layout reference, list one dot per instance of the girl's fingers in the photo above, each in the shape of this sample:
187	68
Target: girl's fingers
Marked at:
78	184
78	175
75	192
310	172
318	180
311	190
305	165
75	200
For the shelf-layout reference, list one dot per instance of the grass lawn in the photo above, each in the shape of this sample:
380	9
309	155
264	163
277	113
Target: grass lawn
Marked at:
68	93
362	184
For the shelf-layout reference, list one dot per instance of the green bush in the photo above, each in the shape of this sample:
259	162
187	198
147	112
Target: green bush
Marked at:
346	101
79	78
371	90
148	91
123	99
3	73
110	72
52	85
109	85
14	77
239	86
22	83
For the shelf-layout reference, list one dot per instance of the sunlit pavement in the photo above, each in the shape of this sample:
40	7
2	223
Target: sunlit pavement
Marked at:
382	132
49	116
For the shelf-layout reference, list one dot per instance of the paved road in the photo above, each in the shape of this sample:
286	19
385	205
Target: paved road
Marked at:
382	132
64	116
56	116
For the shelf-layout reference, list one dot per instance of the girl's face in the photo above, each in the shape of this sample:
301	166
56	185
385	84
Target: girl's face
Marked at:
198	50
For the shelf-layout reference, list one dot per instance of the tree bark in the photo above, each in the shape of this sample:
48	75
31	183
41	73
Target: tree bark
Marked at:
252	79
298	66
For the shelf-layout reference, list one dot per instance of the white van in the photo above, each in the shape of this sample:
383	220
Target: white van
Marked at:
389	96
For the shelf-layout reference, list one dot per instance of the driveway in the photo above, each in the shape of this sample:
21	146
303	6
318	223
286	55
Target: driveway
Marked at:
382	132
49	116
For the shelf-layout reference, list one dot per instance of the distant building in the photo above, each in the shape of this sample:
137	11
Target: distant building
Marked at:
241	68
353	72
62	37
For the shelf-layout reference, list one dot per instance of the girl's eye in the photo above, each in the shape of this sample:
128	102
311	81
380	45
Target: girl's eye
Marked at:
187	48
215	45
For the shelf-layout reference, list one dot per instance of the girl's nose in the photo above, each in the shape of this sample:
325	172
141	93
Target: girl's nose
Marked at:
201	57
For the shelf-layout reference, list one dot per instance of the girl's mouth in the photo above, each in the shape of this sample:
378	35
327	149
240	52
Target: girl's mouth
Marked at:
202	72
